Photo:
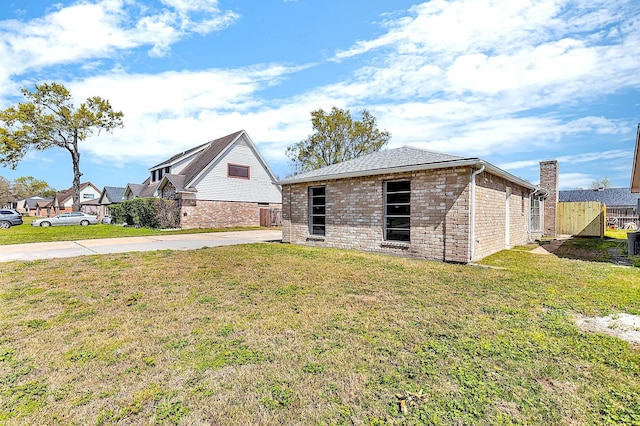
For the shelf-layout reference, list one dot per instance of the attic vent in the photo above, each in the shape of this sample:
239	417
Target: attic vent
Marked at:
601	188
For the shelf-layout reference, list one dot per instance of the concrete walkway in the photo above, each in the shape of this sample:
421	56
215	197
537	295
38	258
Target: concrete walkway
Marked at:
35	251
552	246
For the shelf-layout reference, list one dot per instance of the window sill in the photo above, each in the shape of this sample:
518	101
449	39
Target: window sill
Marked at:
315	238
395	245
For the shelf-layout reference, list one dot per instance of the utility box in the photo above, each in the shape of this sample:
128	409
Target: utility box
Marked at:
633	243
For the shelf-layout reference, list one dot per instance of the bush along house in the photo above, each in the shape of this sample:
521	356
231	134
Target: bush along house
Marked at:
418	203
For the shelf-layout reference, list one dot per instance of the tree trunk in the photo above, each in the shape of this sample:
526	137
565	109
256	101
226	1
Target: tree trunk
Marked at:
75	158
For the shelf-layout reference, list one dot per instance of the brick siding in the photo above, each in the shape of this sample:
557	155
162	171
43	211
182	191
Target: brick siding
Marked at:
221	214
440	214
549	180
491	215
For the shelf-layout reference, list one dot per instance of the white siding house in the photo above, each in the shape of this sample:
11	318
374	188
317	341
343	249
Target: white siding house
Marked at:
225	182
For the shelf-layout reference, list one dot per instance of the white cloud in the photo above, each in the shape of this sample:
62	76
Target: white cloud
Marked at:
576	180
585	157
102	29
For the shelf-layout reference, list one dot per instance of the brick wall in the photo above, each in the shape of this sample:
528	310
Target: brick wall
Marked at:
549	180
354	215
491	215
440	215
221	214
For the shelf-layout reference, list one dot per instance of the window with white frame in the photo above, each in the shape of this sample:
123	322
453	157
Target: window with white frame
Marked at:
536	224
397	210
317	210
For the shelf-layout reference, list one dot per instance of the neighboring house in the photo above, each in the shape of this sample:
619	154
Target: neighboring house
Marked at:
622	205
418	203
63	200
145	189
635	168
221	183
110	195
35	206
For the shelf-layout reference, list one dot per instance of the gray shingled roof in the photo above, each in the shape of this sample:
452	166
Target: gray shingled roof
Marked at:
137	188
208	152
206	156
178	182
611	197
395	161
381	162
114	193
181	154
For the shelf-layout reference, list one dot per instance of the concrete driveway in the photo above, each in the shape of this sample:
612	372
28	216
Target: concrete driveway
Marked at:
35	251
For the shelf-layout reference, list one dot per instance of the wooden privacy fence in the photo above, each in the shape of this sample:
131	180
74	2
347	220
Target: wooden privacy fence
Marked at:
270	217
587	219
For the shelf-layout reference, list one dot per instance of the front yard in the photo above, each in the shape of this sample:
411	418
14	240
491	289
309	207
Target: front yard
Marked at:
279	334
32	234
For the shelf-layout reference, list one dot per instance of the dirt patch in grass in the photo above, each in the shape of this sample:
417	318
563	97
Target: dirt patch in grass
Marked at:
622	326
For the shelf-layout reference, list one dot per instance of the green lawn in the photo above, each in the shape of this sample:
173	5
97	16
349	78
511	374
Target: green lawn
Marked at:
277	334
26	233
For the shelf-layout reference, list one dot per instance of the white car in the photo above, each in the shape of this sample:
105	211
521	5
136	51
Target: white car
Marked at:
72	218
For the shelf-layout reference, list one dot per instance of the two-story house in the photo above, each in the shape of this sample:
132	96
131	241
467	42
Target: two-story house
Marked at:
221	183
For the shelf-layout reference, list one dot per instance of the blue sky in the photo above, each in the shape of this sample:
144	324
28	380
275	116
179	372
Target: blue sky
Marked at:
511	81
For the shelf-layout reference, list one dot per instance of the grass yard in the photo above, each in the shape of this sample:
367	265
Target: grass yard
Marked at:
26	233
276	334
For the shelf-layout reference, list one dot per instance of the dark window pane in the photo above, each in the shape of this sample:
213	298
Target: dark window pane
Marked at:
317	230
398	235
399	198
318	220
318	209
398	222
404	185
399	210
317	201
317	191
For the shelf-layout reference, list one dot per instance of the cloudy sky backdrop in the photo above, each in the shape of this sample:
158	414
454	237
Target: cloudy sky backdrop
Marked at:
512	81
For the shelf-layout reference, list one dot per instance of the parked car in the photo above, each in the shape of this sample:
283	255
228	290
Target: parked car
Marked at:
9	218
72	218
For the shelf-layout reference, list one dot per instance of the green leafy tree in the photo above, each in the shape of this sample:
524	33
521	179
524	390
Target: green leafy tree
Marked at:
27	186
337	137
49	119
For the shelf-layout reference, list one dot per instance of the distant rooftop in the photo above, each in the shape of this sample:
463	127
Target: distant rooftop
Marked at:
608	196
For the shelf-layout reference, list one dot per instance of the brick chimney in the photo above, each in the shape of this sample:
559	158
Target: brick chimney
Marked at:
549	181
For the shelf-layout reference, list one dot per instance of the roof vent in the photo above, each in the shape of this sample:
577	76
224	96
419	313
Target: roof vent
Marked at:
601	188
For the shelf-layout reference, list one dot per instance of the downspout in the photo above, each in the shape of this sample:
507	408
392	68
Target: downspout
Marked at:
472	207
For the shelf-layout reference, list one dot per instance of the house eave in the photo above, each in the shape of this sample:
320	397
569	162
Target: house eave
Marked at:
414	168
635	169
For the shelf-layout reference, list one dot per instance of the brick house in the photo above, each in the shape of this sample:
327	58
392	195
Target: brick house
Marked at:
222	183
417	203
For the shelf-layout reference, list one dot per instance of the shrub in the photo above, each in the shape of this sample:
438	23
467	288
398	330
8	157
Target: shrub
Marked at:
147	212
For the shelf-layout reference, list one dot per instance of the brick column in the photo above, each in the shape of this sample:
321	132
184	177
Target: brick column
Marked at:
549	181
